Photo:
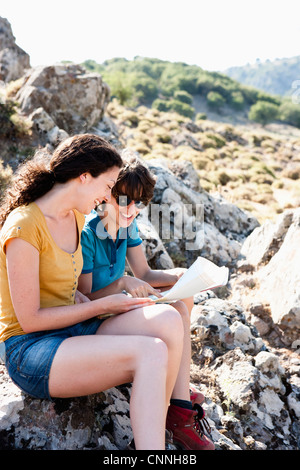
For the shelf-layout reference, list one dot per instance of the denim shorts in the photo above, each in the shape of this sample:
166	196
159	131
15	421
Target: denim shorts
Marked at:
28	358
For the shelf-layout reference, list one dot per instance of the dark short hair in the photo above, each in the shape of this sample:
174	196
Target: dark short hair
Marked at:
135	180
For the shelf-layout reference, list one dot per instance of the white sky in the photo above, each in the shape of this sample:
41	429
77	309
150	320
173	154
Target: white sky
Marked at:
214	34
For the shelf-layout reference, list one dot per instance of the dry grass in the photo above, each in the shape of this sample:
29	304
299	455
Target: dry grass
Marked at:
254	168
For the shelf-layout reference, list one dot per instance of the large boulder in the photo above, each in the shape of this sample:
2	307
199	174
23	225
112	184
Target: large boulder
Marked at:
190	222
74	99
13	60
272	251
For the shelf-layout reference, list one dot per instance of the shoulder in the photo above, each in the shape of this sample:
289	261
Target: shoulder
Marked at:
22	217
23	222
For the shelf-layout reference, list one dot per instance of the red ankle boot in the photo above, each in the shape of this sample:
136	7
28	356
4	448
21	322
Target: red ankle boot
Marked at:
187	428
196	396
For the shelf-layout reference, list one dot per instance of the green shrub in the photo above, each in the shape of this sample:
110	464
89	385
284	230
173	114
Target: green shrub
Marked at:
145	88
161	105
219	141
5	175
187	83
182	108
7	110
263	112
120	86
183	96
224	178
237	100
215	100
290	113
201	116
205	83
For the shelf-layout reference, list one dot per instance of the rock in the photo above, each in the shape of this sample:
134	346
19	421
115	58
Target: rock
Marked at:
273	250
46	128
294	400
280	283
269	289
94	422
223	324
230	219
261	326
266	240
74	100
155	252
185	171
256	400
185	138
268	362
192	222
13	60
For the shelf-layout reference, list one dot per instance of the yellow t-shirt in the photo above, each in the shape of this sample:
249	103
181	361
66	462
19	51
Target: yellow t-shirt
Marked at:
58	269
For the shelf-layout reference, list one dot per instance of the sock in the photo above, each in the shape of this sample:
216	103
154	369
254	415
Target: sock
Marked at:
182	403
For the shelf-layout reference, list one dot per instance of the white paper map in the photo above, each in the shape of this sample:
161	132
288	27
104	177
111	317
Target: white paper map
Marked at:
202	275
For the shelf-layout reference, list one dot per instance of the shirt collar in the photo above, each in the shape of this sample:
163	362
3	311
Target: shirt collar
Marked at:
100	231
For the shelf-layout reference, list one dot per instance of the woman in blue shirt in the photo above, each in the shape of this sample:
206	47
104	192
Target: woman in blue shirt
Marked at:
108	238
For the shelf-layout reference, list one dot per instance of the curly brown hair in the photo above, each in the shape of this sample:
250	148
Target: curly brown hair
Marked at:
82	153
135	180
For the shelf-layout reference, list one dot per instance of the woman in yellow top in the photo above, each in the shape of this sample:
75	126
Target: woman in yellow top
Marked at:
53	344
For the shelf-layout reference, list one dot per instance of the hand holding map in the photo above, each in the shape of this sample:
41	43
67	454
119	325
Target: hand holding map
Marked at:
202	275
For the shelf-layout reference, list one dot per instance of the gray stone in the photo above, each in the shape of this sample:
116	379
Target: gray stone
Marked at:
14	61
74	99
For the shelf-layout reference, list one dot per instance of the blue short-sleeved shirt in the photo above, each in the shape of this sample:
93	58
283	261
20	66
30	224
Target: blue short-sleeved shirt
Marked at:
102	256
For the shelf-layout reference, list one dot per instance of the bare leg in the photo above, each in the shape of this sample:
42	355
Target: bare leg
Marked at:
189	302
159	321
89	364
181	388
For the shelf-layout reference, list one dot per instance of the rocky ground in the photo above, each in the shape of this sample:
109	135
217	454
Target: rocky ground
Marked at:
245	336
246	363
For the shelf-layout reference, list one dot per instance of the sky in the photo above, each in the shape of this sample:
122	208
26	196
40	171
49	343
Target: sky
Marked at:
213	34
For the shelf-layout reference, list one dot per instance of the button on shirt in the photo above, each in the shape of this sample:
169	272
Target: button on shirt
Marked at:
103	256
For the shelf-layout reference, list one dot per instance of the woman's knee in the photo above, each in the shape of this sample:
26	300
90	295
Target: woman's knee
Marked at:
150	352
171	325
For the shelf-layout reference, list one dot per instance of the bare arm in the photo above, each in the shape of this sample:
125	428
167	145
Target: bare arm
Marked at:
23	275
85	283
132	285
156	278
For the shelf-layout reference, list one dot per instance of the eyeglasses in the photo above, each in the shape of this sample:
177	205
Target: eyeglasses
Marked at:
124	201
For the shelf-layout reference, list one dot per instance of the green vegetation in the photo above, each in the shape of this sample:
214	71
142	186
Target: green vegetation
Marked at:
263	112
290	113
11	125
5	175
167	86
215	100
7	110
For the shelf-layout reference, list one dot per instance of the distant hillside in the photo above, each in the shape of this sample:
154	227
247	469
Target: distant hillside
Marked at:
191	91
275	77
